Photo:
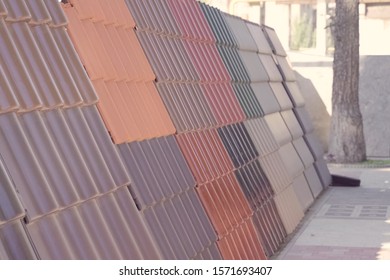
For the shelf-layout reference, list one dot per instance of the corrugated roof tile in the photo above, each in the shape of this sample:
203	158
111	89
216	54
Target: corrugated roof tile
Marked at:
76	69
113	231
16	72
242	244
70	154
8	101
28	47
39	12
11	207
36	194
15	244
275	171
3	9
17	10
289	208
57	15
90	150
261	136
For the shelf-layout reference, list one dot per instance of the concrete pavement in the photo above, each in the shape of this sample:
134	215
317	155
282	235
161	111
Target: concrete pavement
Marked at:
346	222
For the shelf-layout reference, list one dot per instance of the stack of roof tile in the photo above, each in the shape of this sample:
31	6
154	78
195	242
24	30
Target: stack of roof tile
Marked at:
190	75
315	175
106	42
56	148
234	55
91	167
255	142
199	101
162	186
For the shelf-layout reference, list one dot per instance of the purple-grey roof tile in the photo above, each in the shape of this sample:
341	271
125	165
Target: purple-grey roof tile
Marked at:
15	243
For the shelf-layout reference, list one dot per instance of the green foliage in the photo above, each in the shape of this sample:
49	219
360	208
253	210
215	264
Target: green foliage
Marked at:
303	34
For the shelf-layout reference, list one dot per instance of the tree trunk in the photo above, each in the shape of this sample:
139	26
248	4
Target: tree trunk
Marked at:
347	143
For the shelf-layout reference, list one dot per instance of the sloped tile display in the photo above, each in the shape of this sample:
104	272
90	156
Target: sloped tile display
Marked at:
148	129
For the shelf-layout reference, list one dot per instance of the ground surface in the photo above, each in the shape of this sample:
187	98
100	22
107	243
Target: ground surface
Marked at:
346	222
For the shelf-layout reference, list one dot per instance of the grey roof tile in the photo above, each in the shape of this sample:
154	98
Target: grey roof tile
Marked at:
15	243
107	227
39	12
11	207
241	32
157	168
199	218
302	191
304	119
89	147
254	67
294	92
290	209
108	150
259	37
190	231
3	9
276	171
163	239
323	172
70	154
278	128
314	145
17	10
292	124
313	181
76	69
285	68
271	68
274	41
40	72
28	176
291	160
261	136
303	151
132	227
148	188
180	229
48	158
265	97
281	95
16	71
8	101
57	15
57	65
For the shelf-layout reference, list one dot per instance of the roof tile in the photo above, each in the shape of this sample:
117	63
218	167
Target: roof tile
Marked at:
17	10
39	12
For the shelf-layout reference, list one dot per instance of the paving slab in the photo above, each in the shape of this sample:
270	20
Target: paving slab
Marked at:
346	222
